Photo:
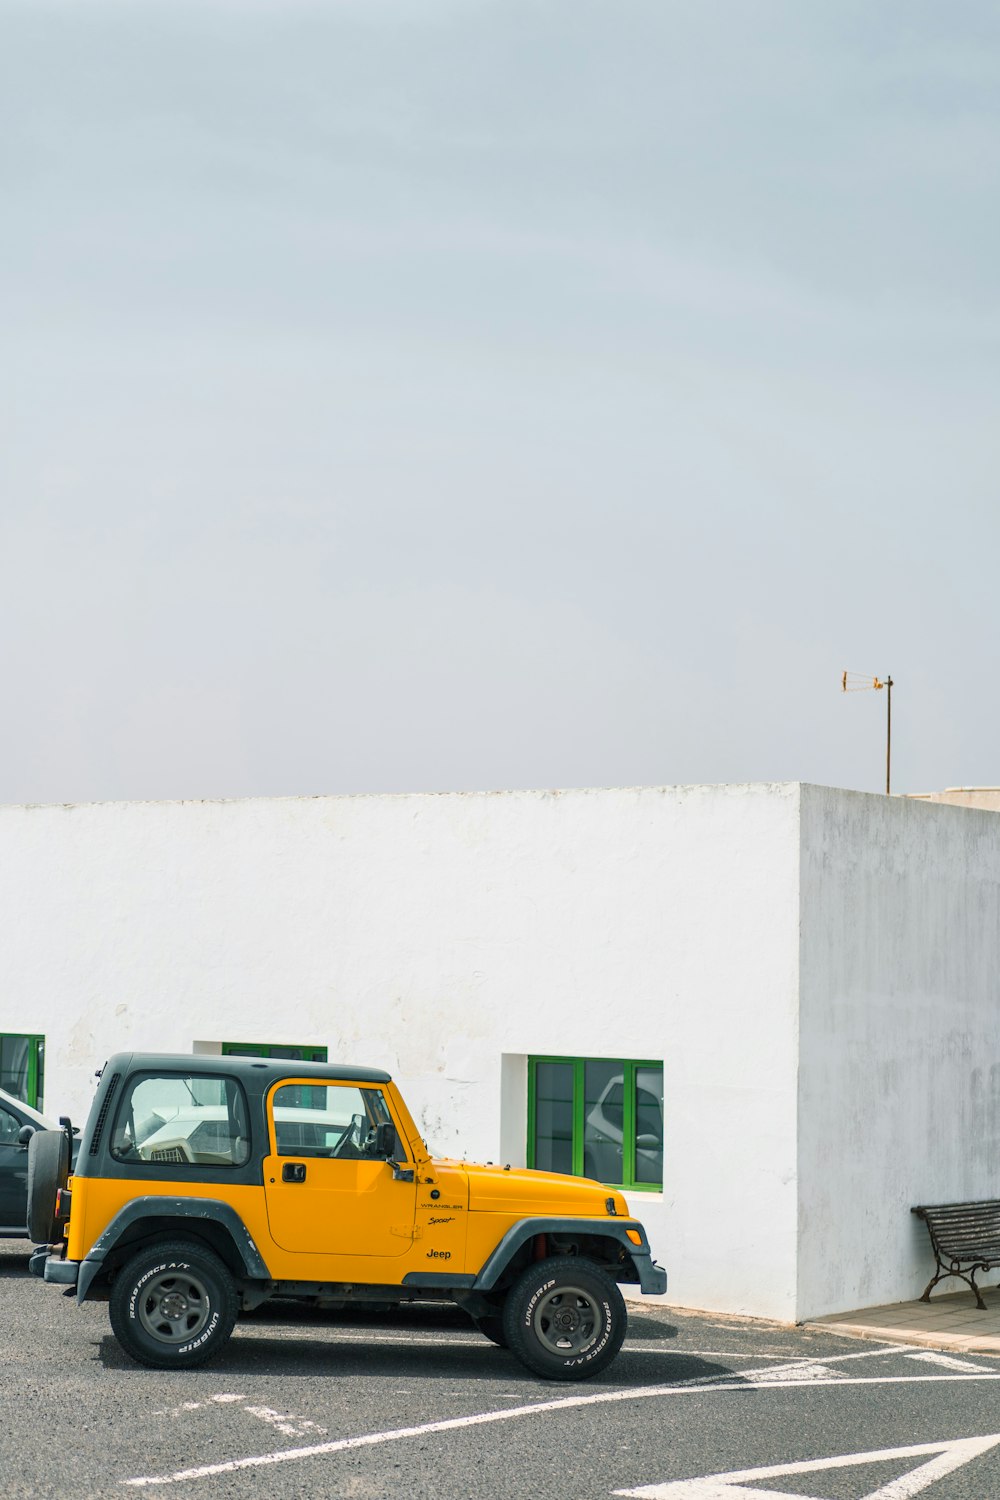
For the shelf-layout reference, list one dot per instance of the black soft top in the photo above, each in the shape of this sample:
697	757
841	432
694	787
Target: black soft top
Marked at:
255	1075
258	1073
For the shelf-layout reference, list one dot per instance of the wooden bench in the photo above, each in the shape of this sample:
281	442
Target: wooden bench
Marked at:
965	1238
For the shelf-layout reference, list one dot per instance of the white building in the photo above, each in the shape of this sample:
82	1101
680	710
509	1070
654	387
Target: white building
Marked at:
815	971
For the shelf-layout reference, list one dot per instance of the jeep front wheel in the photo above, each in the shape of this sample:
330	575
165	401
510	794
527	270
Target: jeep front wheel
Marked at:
173	1306
565	1318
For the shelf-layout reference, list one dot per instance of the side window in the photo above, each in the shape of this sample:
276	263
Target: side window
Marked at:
333	1119
191	1120
10	1128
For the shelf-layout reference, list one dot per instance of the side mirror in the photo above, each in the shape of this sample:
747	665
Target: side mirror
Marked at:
24	1134
385	1144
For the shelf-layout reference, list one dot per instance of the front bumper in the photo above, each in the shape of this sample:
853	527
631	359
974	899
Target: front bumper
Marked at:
50	1267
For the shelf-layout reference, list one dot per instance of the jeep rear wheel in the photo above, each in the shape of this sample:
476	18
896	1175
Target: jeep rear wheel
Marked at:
565	1318
173	1306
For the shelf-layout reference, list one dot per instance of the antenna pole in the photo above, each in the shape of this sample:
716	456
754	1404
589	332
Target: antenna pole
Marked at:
857	682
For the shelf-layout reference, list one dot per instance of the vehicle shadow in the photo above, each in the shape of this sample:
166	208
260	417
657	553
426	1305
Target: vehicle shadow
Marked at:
649	1327
414	1343
294	1358
416	1317
14	1262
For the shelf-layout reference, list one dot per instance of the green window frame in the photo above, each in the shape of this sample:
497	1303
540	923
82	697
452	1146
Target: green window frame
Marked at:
573	1107
22	1067
266	1049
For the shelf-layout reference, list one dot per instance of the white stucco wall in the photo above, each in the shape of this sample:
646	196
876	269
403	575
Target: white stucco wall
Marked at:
899	1084
447	937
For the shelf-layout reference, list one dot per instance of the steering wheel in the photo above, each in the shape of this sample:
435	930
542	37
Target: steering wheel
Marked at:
352	1136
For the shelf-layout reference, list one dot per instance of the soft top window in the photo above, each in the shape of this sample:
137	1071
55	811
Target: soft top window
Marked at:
188	1119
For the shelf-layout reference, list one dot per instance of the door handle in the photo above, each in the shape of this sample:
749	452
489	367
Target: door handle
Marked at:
293	1171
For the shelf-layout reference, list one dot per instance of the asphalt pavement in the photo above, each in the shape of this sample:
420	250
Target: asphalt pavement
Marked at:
418	1404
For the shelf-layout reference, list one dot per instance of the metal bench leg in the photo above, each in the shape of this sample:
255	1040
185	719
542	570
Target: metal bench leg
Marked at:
941	1274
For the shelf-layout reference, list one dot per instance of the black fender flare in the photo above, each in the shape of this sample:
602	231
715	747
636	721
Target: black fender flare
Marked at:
652	1278
194	1209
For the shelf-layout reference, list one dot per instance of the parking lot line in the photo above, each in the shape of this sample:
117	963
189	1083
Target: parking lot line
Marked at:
728	1384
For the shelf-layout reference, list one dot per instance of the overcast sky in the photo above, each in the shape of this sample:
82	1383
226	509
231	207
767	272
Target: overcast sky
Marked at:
427	394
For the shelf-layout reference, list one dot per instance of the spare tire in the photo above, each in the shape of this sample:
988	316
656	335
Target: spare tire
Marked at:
48	1171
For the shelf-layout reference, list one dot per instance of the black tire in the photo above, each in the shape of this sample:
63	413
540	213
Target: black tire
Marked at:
565	1318
48	1171
491	1327
173	1306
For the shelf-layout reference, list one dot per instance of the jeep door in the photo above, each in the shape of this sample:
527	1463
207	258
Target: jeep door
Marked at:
326	1193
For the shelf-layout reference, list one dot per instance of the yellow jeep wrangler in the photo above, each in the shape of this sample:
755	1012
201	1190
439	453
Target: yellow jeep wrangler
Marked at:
206	1185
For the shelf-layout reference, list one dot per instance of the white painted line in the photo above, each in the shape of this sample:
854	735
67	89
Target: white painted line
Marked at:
731	1383
809	1373
945	1458
185	1406
663	1346
883	1349
284	1422
948	1363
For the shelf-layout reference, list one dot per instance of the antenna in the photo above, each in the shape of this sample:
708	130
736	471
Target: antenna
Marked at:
859	682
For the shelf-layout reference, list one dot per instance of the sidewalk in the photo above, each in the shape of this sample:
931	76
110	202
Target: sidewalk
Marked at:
949	1321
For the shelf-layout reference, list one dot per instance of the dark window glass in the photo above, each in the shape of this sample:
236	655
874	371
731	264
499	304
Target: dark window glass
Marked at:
266	1049
10	1128
554	1117
649	1125
604	1121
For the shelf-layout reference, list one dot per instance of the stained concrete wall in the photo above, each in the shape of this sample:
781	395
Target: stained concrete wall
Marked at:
448	937
899	1073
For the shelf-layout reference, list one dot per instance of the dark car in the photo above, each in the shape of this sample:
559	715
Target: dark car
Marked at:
18	1121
